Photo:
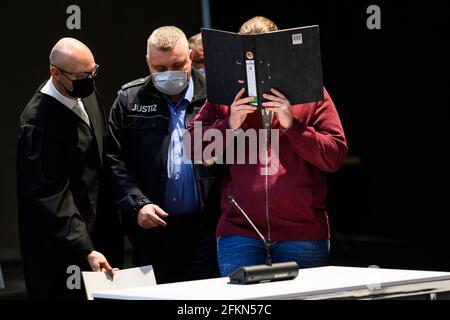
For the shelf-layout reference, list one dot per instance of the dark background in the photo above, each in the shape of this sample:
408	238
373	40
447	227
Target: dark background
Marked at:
388	203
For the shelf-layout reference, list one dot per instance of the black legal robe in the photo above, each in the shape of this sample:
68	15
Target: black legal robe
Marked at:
64	210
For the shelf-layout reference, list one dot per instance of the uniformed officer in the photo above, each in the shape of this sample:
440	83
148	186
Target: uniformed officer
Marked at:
170	207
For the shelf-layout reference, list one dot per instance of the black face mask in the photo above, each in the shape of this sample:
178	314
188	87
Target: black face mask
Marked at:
82	88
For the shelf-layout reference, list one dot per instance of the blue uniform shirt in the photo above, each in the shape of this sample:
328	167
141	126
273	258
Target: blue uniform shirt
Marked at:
182	196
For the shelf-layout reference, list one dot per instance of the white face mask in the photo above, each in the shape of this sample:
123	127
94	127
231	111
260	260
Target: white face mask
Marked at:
202	72
171	83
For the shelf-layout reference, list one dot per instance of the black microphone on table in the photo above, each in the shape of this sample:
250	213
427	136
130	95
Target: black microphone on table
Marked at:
262	273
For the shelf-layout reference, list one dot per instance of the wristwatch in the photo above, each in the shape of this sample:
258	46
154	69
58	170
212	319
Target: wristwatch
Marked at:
235	131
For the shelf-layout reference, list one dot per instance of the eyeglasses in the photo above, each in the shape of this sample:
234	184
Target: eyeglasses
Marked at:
79	75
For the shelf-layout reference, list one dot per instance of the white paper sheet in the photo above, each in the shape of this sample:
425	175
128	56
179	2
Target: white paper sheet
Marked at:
126	278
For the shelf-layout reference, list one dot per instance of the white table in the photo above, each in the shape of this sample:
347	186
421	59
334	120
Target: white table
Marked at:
315	283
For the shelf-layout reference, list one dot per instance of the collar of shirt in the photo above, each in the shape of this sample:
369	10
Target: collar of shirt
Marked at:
188	95
50	89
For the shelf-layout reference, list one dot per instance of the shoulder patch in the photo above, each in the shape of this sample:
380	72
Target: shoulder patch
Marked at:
134	83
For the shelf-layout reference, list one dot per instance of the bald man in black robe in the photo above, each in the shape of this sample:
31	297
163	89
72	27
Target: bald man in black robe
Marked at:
61	178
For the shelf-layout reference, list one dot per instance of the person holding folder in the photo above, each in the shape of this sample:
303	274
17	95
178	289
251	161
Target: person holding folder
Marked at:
311	144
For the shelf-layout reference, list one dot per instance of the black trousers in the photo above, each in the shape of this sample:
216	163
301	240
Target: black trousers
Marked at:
184	250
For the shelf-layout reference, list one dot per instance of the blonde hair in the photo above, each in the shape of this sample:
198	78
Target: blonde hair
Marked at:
257	25
195	40
166	38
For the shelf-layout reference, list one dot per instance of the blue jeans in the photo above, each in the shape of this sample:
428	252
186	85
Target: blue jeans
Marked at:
234	252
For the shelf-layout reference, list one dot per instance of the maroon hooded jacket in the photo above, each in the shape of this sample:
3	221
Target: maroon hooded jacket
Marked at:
312	147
